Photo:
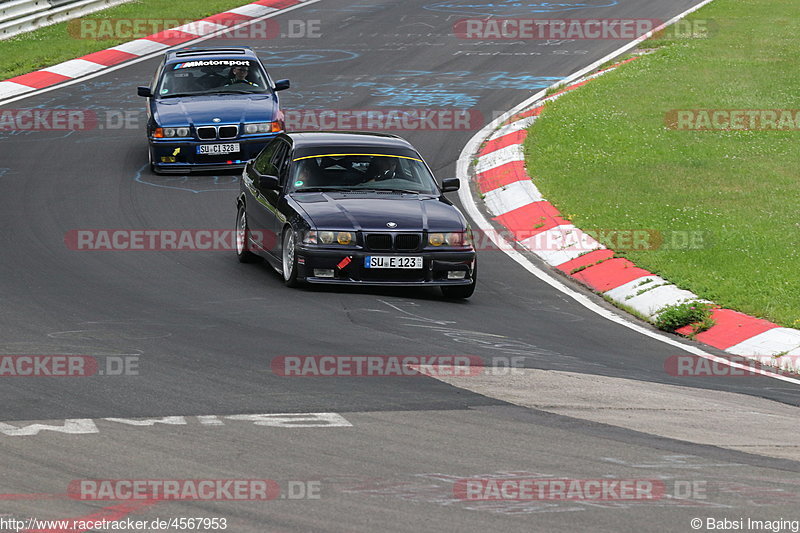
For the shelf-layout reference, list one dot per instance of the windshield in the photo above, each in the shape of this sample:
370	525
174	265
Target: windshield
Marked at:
212	76
362	172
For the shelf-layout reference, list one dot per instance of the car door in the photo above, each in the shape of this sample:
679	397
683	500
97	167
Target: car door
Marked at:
275	203
259	216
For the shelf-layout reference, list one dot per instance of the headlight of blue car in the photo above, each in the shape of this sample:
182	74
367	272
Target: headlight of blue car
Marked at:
263	127
166	133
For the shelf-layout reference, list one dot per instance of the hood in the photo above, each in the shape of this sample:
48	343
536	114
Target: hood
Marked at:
372	211
201	110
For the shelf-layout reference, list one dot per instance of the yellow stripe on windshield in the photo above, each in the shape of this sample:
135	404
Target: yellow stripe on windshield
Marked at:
345	155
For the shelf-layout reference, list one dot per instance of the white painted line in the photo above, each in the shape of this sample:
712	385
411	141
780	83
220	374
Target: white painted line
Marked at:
513	128
150	55
10	88
252	10
772	342
563	243
199	27
75	68
140	47
511	196
499	157
468	202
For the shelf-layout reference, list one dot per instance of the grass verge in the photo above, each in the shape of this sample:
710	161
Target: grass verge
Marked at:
54	44
605	157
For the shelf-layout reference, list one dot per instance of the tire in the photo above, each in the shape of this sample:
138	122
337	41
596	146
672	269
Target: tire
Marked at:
289	258
462	291
153	168
242	238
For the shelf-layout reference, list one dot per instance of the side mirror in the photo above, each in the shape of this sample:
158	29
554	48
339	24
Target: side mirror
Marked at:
451	184
282	85
144	91
265	182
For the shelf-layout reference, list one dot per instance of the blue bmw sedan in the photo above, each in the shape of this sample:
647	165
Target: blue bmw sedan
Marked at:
210	109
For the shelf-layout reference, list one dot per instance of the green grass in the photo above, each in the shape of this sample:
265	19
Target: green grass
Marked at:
54	44
604	157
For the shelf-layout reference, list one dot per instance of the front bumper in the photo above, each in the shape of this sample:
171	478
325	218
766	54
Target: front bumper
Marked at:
183	157
434	272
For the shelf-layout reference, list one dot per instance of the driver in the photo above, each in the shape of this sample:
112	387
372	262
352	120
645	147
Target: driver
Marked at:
381	168
239	74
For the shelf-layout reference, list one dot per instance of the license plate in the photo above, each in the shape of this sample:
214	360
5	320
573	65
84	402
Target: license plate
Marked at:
387	261
217	149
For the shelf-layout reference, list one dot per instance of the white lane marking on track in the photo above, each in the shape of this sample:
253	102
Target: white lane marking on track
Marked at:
465	195
84	426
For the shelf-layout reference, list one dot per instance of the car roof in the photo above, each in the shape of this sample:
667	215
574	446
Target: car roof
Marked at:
330	139
193	54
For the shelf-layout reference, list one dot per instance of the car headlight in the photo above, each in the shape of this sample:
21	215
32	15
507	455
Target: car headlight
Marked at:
263	127
162	133
344	238
458	239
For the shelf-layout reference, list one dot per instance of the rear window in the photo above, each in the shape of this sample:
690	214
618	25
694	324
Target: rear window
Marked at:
212	76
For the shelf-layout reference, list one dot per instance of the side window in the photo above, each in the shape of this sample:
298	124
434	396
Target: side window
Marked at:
279	161
158	75
263	163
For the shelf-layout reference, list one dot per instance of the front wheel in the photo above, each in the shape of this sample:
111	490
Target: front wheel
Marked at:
153	168
243	238
462	291
289	255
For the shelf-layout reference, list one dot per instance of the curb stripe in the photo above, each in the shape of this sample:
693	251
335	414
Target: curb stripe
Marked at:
513	127
10	88
513	196
109	57
733	328
39	79
501	176
532	219
610	274
586	260
561	244
771	342
499	157
511	138
74	68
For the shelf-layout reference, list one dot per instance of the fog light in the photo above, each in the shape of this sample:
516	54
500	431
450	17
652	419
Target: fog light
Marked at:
323	273
456	274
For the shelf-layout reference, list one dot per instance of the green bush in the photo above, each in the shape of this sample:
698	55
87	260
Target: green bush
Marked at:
674	317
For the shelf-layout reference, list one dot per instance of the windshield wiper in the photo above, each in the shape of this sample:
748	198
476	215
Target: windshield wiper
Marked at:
324	189
406	191
233	91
